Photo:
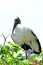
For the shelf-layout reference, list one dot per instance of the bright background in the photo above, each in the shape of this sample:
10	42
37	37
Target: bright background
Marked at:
29	11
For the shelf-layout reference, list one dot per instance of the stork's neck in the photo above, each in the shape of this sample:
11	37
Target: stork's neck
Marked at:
15	25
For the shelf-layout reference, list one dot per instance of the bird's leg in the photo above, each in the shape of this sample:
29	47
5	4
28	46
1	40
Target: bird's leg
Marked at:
25	51
26	54
30	54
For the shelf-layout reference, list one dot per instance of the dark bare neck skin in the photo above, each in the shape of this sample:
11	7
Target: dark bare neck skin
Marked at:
15	24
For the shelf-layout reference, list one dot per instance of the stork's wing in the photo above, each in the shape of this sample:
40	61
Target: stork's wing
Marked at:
31	40
37	41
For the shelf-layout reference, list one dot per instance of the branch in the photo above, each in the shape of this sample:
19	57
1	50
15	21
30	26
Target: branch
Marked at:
5	38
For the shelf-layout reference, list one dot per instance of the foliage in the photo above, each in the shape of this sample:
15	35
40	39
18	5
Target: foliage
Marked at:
9	56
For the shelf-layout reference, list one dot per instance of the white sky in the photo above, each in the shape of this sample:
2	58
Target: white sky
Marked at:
29	11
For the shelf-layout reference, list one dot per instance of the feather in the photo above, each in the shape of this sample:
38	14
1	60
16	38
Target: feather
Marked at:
26	38
25	35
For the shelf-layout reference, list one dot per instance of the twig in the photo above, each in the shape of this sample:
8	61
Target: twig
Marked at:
5	38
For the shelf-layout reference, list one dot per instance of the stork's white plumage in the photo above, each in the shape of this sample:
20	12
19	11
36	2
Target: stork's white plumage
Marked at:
25	37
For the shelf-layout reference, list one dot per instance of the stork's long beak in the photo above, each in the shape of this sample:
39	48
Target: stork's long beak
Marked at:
14	27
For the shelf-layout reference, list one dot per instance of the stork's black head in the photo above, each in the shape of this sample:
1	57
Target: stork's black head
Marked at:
16	21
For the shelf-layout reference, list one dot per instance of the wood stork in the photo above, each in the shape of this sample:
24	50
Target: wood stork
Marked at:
25	37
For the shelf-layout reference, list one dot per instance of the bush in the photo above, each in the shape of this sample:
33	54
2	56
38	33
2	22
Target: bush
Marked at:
9	56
